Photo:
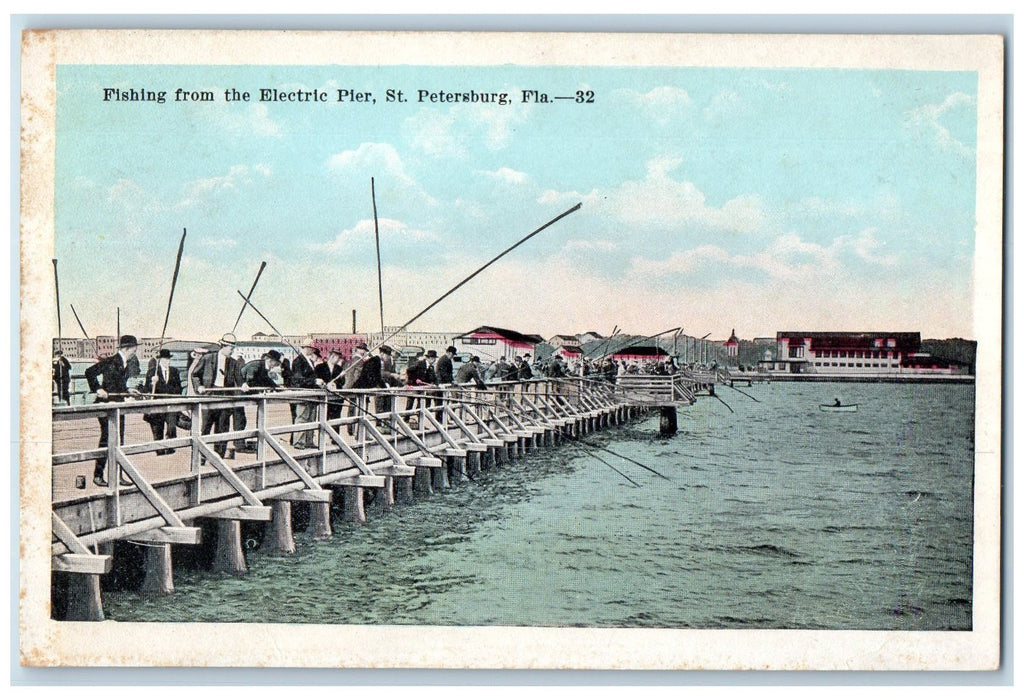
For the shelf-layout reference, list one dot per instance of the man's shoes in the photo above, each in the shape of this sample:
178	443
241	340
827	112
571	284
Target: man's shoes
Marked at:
123	482
99	481
230	454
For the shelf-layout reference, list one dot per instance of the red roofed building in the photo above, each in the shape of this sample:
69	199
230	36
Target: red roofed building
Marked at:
490	343
838	353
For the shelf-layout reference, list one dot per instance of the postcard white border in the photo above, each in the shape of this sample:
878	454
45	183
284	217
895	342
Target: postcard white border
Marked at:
48	643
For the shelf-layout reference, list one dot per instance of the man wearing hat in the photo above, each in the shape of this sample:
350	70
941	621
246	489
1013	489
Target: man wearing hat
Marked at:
522	369
303	376
114	387
62	377
444	368
388	376
161	378
470	372
362	372
216	371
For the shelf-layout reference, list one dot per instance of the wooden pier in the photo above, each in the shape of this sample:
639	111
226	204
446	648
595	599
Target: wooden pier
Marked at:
401	443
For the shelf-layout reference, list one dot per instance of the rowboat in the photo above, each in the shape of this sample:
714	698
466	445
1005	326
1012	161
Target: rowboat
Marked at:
842	408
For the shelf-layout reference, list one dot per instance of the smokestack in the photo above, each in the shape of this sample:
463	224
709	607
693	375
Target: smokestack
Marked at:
353	321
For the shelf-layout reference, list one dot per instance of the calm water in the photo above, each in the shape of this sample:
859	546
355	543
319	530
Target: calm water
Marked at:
775	516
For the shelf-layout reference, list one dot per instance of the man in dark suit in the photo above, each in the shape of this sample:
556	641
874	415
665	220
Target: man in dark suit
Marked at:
303	376
331	373
443	368
362	372
216	371
114	387
161	378
62	377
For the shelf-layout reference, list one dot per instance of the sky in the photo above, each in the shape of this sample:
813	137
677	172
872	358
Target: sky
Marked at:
712	199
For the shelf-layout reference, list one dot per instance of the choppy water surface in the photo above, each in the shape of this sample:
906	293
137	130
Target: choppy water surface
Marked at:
775	516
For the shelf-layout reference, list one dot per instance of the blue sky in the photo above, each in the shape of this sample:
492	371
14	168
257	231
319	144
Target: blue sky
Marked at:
713	199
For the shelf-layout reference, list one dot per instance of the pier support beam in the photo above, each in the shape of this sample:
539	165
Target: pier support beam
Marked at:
354	512
404	489
319	527
159	571
84	602
421	482
473	463
229	558
669	425
489	459
277	534
457	470
502	456
384	499
439	479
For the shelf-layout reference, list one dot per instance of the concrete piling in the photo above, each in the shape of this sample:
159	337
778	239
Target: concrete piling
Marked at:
229	557
277	534
354	511
319	527
159	570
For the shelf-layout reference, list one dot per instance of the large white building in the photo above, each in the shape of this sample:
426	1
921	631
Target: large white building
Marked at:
882	353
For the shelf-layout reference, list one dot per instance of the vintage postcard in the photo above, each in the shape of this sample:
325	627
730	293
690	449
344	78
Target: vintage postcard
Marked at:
511	351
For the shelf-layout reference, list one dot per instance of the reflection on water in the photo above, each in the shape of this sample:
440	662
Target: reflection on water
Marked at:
775	516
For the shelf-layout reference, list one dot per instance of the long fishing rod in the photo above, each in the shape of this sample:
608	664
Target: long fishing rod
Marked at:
602	345
79	321
376	235
723	403
56	284
637	342
174	283
608	464
744	393
481	269
263	265
267	320
628	459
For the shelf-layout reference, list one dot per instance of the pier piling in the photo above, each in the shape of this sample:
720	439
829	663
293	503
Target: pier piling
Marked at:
159	570
84	601
277	535
421	482
229	558
354	510
319	527
669	424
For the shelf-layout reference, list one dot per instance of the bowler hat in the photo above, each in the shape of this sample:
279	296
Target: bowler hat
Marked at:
386	349
228	339
274	355
362	346
164	354
307	343
475	358
451	349
128	341
431	353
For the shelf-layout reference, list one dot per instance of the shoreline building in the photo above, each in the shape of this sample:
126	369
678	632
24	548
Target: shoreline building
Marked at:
428	340
491	342
882	353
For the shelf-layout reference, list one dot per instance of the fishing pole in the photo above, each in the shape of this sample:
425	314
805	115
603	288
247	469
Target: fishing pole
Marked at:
174	282
628	459
56	284
744	393
267	320
263	265
608	464
723	403
79	321
376	235
637	342
481	269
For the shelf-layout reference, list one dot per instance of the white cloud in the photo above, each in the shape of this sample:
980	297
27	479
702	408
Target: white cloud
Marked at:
218	242
660	104
661	201
431	132
867	247
723	105
602	246
238	177
927	120
253	119
364	231
506	175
